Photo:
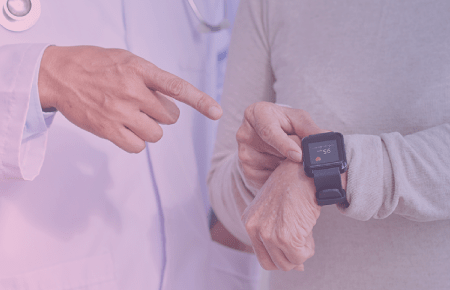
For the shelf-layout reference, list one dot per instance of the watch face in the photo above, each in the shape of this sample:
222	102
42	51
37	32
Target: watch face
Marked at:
323	152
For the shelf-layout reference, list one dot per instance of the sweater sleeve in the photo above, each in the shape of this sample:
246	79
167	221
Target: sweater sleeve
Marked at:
248	79
388	173
406	175
20	158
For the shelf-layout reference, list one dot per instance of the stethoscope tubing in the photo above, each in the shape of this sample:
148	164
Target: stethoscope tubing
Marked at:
224	24
22	23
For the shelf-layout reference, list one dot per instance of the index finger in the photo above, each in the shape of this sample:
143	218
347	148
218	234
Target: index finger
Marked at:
181	90
274	124
274	135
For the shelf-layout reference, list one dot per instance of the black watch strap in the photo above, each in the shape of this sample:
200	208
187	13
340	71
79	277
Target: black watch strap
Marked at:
329	186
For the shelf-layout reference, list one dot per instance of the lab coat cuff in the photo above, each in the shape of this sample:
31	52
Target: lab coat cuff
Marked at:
37	121
20	159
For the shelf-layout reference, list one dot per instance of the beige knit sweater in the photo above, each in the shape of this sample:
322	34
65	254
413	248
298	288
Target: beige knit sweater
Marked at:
378	72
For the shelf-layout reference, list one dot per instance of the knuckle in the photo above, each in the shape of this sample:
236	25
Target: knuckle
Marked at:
284	240
134	62
202	101
266	132
307	120
248	113
110	129
117	54
287	239
241	135
176	86
266	236
302	116
243	154
250	227
284	233
261	107
296	241
244	133
303	254
129	92
252	230
256	110
311	253
131	64
99	128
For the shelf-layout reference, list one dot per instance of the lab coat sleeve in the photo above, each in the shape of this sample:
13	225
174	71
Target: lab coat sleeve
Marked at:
23	133
405	175
248	79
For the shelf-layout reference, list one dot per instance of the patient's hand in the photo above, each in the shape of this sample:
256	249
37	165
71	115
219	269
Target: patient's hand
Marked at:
280	219
269	134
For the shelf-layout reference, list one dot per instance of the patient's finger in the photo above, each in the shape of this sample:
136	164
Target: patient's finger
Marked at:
246	134
263	256
278	257
273	126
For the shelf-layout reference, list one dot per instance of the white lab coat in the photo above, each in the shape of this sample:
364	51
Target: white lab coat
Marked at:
96	217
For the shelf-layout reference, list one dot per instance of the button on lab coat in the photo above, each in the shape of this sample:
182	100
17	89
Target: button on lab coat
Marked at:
91	216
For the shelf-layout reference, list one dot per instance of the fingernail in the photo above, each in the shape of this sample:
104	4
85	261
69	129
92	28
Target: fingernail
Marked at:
215	112
295	156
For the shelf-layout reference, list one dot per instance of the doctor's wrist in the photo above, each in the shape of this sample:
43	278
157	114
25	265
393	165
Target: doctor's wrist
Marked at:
47	72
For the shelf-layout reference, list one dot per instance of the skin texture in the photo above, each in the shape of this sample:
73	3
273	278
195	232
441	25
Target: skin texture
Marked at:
280	219
115	94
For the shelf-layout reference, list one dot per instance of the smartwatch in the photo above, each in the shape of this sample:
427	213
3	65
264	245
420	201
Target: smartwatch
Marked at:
324	160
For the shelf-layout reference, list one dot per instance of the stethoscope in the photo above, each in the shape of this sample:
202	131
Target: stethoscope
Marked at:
207	27
20	15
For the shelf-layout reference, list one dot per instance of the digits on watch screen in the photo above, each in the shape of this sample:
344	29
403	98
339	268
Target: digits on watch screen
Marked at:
323	152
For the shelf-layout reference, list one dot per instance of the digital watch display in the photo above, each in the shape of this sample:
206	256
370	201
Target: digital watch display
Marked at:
324	160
